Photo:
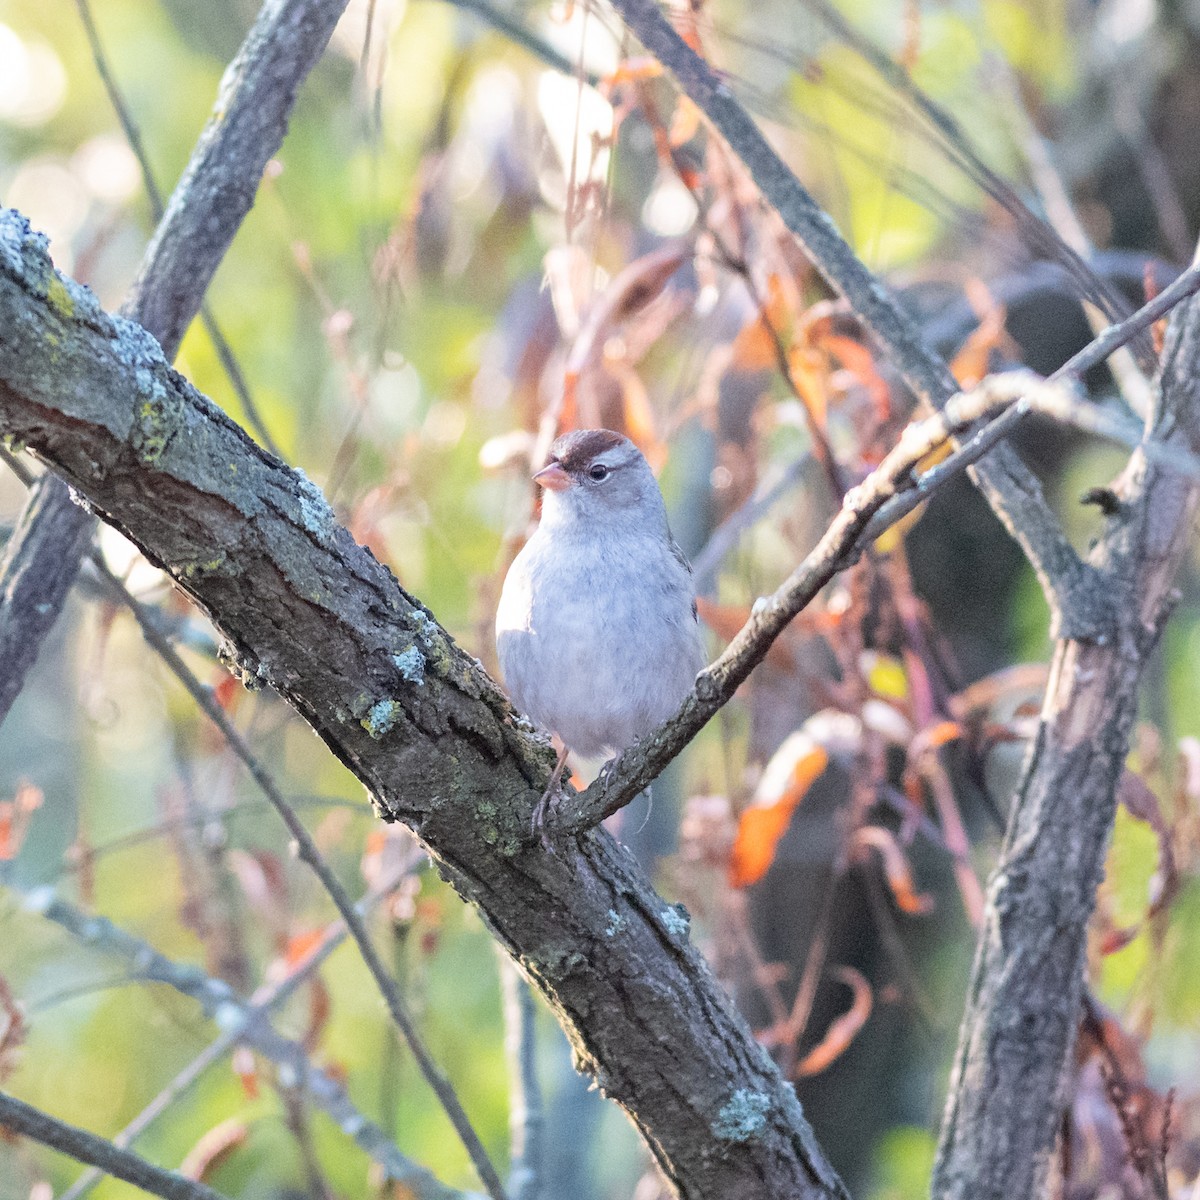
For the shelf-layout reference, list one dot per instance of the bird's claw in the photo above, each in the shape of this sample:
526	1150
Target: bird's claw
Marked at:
544	809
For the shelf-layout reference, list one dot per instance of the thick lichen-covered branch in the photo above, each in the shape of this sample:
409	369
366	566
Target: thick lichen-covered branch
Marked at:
305	610
203	215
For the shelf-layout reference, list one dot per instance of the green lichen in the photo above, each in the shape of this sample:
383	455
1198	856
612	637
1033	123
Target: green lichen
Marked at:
616	922
190	570
556	963
157	419
382	716
742	1117
59	298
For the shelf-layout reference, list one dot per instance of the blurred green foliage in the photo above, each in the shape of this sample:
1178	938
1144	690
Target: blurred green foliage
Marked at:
379	298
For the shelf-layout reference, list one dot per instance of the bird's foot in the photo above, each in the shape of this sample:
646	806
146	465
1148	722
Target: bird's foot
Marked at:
549	802
545	807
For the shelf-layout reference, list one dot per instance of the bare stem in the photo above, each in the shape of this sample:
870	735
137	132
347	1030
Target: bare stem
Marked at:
87	1147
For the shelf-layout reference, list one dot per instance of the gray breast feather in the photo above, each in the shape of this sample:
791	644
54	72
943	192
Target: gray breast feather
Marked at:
603	657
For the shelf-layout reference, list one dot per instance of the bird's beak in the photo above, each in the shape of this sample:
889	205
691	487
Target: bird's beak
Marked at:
553	477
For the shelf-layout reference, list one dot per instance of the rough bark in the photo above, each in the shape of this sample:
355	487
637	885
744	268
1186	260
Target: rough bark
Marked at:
308	612
205	212
34	585
1007	1091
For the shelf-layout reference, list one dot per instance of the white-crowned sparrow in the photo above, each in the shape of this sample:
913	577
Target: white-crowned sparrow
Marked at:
596	629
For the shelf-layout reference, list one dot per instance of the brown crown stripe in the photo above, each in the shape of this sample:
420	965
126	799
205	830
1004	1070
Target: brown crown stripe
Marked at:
576	450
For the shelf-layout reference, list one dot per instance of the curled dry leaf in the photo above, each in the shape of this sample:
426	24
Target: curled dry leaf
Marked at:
634	288
12	1030
15	815
790	773
756	347
896	868
1141	802
843	1031
213	1148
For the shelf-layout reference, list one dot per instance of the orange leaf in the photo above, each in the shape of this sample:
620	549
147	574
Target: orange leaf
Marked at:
858	360
806	368
212	1149
227	692
896	868
797	764
843	1031
934	737
246	1069
1115	939
684	123
756	347
974	358
320	1006
632	70
301	945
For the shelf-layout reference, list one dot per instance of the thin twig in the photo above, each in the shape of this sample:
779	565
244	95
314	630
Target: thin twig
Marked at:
250	1027
87	1147
17	467
1094	353
308	852
1010	487
526	1114
133	135
1020	392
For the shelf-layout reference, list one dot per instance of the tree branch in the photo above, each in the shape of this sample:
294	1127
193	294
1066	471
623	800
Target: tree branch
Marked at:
305	610
1007	1088
1010	487
242	1022
87	1147
205	211
883	498
308	851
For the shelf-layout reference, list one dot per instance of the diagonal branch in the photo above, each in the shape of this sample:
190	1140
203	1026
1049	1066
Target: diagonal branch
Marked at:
207	208
882	499
305	610
242	1022
87	1147
309	852
1010	487
1007	1089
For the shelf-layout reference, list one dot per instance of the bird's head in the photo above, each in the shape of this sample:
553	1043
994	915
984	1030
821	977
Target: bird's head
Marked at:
598	476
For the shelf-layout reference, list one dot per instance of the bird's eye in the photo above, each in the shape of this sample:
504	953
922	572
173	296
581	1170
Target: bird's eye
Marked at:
598	471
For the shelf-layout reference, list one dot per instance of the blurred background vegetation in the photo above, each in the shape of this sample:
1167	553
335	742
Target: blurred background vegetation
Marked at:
490	223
